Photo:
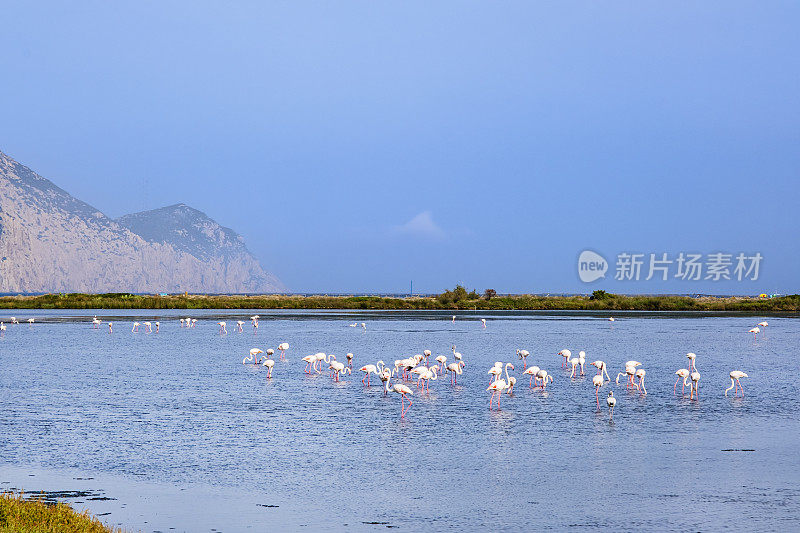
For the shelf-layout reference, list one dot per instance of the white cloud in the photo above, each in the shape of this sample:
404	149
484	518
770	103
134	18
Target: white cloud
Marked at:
422	225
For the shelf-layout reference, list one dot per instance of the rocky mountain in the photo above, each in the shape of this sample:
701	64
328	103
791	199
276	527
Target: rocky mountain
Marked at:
53	242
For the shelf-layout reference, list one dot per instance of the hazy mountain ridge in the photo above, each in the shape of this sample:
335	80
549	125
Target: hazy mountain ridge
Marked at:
53	242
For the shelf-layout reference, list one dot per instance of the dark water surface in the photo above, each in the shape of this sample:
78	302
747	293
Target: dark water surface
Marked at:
184	436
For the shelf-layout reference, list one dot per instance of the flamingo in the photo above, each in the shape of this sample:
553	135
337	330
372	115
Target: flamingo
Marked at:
2	327
523	354
322	358
354	325
543	377
455	371
364	327
755	331
574	362
368	369
253	357
158	326
640	374
510	379
483	321
497	387
694	386
442	360
601	368
338	368
222	329
598	382
194	322
403	390
582	361
611	319
691	356
496	370
239	324
430	374
349	357
282	347
181	322
763	324
30	321
736	375
270	352
148	327
611	401
188	322
14	320
630	371
269	363
454	319
95	322
309	360
566	354
385	376
456	354
110	330
135	328
531	371
681	373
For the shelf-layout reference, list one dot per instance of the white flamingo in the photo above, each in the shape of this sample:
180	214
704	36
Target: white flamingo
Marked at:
601	368
736	375
282	347
566	354
755	331
531	371
611	401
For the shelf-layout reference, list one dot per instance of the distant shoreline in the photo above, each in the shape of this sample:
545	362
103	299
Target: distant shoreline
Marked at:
607	302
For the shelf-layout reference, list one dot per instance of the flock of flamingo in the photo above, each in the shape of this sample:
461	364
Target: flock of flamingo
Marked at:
417	367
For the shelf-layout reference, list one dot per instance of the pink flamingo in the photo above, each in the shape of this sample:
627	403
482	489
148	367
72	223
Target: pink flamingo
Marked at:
110	329
309	360
222	329
598	382
350	361
282	347
269	363
455	371
736	375
523	354
566	354
497	387
682	373
403	390
338	368
531	371
543	377
135	328
611	401
601	368
755	331
368	369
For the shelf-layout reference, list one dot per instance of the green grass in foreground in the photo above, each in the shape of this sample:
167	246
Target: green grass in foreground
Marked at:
449	300
19	515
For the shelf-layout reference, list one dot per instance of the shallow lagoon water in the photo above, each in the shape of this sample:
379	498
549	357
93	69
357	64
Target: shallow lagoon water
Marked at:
177	414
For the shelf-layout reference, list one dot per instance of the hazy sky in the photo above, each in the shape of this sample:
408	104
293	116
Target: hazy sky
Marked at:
360	145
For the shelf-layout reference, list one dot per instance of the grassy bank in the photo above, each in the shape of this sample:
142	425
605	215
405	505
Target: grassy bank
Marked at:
450	300
19	515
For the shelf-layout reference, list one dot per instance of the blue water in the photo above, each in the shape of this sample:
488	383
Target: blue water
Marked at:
179	409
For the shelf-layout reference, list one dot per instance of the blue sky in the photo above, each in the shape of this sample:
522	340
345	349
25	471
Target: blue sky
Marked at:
360	145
